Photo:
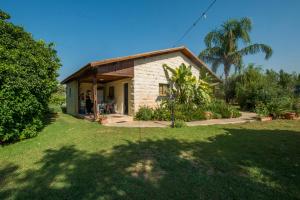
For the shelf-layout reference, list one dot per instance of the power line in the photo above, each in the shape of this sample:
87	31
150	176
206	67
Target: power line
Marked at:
195	23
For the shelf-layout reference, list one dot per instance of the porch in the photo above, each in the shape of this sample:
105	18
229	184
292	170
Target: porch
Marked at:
101	88
105	95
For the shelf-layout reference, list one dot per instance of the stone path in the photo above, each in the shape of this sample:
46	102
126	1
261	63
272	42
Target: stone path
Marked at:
127	121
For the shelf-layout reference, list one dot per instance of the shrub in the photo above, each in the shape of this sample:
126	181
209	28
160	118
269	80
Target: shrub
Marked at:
179	124
63	108
198	114
296	106
223	109
145	113
261	109
161	113
235	113
275	107
278	106
28	72
59	96
217	116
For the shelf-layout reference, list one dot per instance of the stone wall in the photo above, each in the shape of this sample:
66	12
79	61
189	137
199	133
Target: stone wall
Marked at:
148	73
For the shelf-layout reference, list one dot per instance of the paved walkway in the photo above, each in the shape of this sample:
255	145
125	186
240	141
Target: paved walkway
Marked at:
127	121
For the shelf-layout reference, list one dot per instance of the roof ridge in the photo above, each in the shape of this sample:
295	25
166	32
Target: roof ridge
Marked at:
184	50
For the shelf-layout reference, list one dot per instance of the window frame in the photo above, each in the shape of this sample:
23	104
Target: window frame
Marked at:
163	89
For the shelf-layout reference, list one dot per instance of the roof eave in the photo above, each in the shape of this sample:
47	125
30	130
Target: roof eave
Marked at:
76	73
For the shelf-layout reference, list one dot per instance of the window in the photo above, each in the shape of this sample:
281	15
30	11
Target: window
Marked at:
111	92
163	89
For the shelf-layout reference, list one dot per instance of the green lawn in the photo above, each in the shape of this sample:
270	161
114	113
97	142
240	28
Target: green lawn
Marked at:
76	159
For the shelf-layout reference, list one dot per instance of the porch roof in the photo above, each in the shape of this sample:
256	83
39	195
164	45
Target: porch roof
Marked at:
183	50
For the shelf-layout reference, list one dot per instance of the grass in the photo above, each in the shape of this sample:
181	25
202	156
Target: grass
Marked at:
76	159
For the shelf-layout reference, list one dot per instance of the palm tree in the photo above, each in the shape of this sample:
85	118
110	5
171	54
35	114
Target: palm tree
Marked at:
222	45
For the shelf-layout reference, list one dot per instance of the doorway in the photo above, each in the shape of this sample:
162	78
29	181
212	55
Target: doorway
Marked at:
125	111
100	95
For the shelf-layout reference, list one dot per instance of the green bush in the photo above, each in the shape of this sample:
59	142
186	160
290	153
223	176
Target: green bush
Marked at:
198	114
145	113
63	108
59	96
235	113
179	124
188	112
223	109
28	72
261	109
296	106
217	116
276	107
279	106
161	113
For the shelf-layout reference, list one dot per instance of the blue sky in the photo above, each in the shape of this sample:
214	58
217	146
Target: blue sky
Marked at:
85	31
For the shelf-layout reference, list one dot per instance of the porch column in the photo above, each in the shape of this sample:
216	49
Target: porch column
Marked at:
95	97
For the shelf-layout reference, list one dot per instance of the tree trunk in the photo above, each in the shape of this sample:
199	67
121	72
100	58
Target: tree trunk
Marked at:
226	70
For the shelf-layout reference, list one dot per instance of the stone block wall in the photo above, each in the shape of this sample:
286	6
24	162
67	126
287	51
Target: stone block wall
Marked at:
149	73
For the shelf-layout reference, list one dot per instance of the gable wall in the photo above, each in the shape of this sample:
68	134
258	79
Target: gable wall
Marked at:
148	73
72	97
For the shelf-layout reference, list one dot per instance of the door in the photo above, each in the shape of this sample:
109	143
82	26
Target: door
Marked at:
100	95
125	99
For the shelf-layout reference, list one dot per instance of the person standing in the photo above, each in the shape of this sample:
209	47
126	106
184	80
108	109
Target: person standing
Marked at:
88	104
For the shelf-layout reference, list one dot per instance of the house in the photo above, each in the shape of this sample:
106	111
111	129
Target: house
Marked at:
130	81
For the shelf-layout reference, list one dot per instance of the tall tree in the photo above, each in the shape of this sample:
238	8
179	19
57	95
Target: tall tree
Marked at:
28	72
222	45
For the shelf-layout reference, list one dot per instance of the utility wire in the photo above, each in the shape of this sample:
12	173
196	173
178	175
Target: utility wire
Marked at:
195	23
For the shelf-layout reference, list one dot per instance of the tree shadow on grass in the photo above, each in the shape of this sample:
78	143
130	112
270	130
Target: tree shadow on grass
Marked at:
242	164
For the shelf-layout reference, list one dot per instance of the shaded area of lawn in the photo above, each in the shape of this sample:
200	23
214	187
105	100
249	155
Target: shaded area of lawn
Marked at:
240	164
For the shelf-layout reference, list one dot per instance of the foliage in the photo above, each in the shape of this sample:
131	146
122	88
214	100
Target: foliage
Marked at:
265	92
253	86
185	87
296	106
261	109
279	106
188	112
179	124
59	96
222	45
144	113
221	108
192	95
63	108
28	72
229	88
162	112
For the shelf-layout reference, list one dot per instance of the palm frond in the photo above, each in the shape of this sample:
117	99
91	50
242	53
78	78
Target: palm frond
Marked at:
173	71
256	48
215	65
213	38
246	24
